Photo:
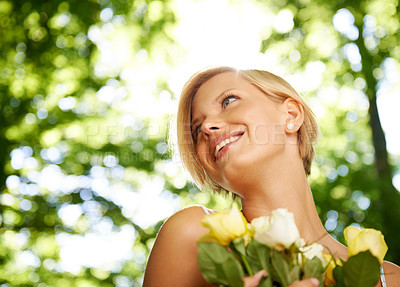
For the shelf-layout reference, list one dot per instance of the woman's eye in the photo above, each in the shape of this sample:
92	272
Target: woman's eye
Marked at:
198	130
228	100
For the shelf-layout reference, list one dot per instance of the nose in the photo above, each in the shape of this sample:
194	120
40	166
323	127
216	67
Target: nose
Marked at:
211	126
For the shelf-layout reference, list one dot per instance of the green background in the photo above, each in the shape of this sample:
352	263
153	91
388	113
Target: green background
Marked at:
57	124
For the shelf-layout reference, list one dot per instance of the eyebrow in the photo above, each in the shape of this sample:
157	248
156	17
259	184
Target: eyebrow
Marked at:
215	100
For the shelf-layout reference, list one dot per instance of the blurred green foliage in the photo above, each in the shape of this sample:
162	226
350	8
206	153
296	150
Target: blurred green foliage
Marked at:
75	158
350	46
56	133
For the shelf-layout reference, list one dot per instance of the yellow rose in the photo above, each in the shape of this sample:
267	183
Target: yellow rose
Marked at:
366	239
329	279
225	226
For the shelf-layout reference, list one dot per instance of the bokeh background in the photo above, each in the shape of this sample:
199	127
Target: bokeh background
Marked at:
88	90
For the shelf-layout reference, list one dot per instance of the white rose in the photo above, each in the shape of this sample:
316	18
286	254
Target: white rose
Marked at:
278	231
313	250
300	243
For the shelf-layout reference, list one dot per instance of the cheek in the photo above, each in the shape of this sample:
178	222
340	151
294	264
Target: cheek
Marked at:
201	152
260	133
263	128
263	134
203	155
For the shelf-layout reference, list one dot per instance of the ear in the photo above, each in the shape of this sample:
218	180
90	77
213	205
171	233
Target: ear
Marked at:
294	115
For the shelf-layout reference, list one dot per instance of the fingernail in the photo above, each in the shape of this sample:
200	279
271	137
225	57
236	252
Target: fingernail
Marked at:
314	281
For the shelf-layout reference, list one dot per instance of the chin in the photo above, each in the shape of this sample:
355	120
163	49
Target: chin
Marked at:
246	167
237	169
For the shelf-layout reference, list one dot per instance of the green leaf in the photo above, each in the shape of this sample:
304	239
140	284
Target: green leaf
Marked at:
313	268
258	255
338	275
361	270
218	265
208	261
294	274
265	282
214	251
281	267
233	272
238	244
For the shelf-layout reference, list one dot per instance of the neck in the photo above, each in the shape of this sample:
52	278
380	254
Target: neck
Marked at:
280	182
290	190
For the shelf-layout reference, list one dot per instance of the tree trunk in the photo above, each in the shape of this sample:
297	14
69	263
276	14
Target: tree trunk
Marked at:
389	205
4	144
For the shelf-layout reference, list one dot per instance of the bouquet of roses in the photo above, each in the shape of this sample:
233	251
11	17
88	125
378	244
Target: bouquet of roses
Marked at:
234	249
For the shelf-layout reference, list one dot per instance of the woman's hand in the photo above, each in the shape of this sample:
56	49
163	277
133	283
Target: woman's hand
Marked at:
310	282
253	281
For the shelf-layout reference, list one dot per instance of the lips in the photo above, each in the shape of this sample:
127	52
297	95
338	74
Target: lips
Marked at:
222	141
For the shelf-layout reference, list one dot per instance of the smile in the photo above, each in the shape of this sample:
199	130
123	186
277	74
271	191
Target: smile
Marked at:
224	143
221	143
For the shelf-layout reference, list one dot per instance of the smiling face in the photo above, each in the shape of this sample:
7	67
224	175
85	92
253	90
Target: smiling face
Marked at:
236	128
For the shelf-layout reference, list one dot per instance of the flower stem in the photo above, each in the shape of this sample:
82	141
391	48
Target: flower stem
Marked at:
246	264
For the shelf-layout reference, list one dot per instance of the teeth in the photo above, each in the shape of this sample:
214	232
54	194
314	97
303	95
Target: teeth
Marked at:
224	143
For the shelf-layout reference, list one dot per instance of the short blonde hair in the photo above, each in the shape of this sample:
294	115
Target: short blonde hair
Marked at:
272	85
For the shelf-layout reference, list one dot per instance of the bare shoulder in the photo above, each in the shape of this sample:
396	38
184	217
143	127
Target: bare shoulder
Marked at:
392	273
173	259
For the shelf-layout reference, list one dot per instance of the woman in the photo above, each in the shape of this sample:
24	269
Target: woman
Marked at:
247	132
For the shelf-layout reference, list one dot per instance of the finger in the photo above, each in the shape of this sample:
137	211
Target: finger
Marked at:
252	281
311	282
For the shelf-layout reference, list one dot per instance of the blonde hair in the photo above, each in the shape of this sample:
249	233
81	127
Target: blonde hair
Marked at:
272	85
